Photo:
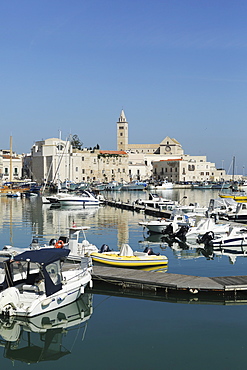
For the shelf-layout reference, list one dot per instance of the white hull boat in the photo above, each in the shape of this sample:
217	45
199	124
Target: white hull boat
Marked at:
83	199
205	225
161	225
35	284
236	236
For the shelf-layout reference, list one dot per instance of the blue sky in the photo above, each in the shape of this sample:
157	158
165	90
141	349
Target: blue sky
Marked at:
177	68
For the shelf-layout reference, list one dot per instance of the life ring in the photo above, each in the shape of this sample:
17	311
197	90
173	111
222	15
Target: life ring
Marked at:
59	244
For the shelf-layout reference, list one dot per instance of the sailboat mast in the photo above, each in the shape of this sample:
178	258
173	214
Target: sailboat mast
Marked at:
233	168
10	161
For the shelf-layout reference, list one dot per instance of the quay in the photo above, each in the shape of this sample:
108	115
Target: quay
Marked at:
163	283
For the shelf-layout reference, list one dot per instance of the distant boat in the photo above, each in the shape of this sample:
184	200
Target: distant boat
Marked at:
134	185
162	186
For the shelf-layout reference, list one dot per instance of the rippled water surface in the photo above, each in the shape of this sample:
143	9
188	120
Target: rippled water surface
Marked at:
117	332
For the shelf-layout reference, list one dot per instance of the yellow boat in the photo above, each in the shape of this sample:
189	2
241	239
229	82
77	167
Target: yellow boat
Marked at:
238	197
127	258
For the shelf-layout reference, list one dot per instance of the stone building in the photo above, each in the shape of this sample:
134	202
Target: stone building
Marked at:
11	165
165	160
187	169
54	160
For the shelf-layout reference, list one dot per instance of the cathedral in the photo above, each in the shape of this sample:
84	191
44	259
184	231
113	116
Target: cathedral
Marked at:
164	161
168	146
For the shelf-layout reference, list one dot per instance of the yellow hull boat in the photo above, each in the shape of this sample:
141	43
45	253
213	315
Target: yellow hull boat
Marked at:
127	258
236	197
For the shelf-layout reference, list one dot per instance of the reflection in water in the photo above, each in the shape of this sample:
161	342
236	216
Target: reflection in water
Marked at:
41	338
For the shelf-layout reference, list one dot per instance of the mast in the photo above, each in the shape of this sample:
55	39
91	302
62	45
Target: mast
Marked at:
10	161
233	168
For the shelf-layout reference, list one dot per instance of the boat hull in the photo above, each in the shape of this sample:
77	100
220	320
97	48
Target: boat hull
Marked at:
32	302
129	261
78	202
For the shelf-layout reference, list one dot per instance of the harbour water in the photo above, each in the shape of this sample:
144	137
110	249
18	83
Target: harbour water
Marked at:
113	331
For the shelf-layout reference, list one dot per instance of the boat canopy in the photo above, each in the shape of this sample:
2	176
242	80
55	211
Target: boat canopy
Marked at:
43	256
48	261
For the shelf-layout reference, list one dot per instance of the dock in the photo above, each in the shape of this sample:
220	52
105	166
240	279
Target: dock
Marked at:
153	211
164	284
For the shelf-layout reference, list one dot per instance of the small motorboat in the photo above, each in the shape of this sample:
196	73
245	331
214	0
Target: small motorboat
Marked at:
35	283
236	236
205	225
76	242
168	225
12	194
126	257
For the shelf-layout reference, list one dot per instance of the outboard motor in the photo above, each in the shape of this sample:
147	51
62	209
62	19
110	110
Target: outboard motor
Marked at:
168	230
52	242
206	239
105	248
34	243
150	252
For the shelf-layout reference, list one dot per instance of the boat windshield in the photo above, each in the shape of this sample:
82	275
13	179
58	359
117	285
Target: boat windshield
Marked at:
54	272
20	270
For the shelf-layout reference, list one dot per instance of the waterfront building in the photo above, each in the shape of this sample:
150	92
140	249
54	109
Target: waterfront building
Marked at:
54	160
11	165
166	160
187	169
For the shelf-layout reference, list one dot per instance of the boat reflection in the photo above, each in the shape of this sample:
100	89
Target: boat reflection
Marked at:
232	252
180	248
41	338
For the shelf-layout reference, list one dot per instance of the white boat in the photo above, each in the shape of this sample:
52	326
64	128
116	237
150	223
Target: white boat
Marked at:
134	185
164	185
78	249
237	236
168	225
35	283
76	242
220	207
83	199
205	225
193	209
156	201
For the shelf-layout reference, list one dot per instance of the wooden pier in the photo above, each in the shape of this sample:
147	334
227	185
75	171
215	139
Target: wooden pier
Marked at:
163	283
153	211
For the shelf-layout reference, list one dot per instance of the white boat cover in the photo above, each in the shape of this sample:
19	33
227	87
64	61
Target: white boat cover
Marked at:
126	250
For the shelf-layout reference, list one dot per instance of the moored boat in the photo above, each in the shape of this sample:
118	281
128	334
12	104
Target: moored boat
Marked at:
126	257
35	283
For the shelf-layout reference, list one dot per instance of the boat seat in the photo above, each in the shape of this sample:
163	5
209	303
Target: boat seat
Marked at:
30	288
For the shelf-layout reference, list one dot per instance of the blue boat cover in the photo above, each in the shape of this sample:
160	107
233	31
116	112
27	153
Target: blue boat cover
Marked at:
43	256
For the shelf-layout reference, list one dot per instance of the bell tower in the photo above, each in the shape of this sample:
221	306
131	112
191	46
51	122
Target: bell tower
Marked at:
122	132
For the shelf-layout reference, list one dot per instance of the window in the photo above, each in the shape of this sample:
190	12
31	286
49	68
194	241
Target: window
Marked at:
76	169
6	171
15	171
83	170
82	158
